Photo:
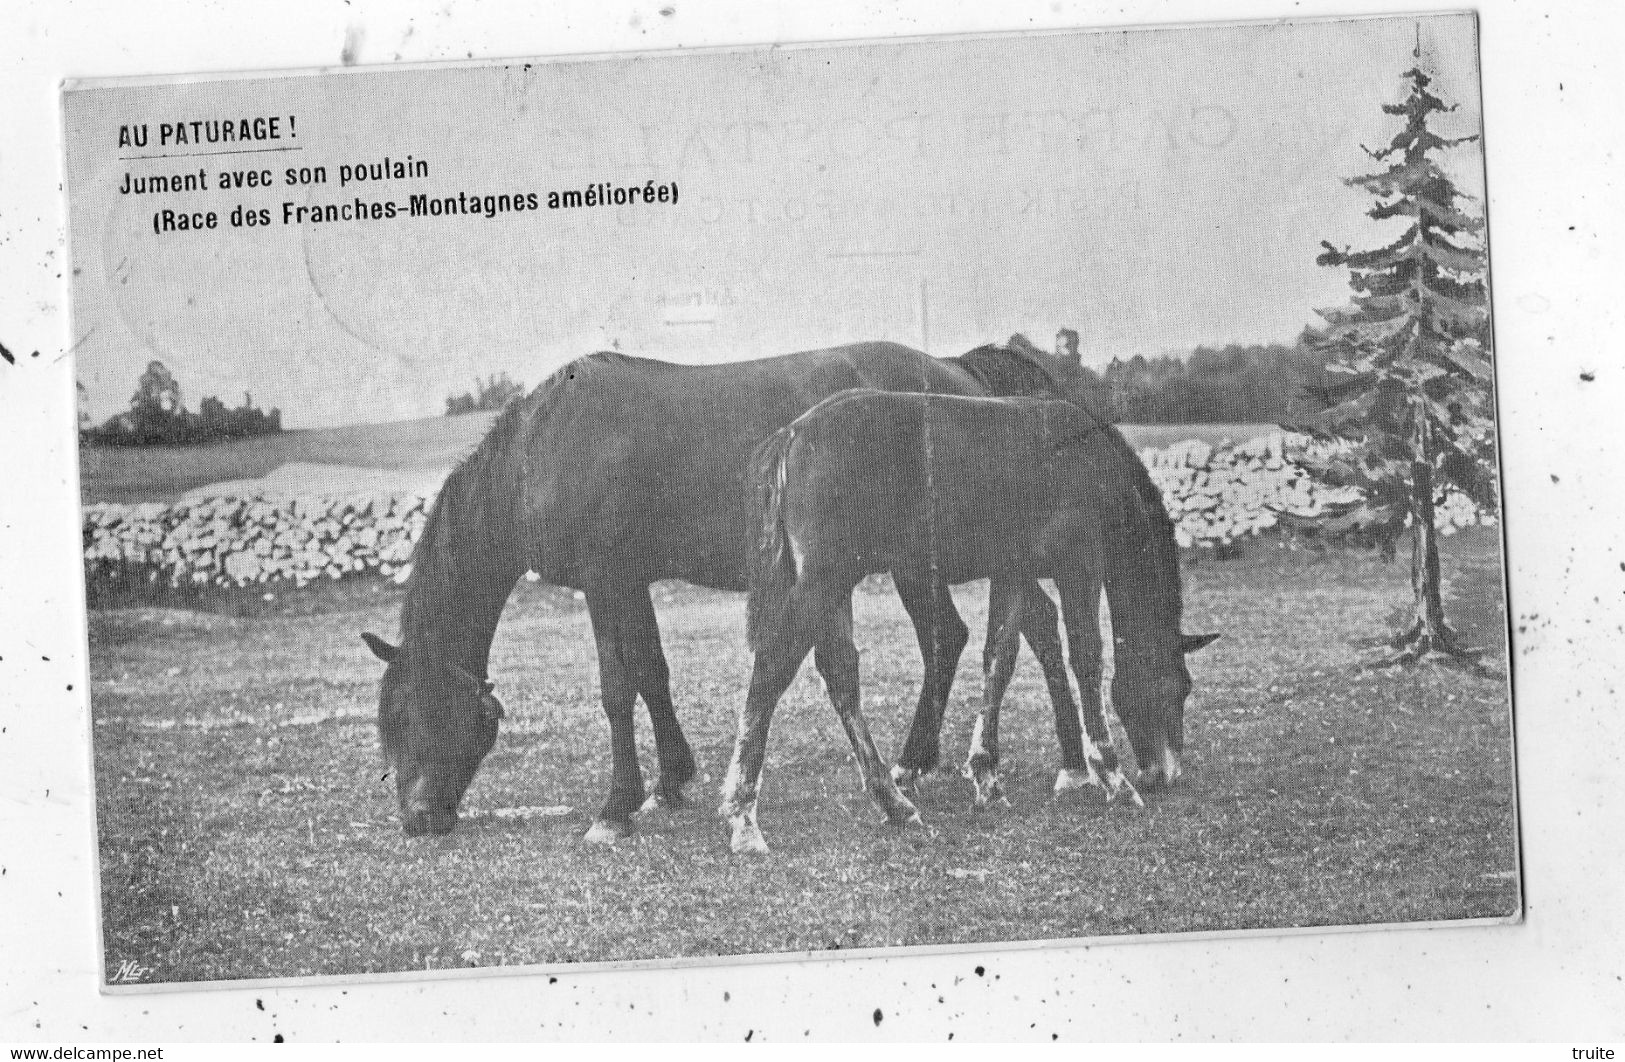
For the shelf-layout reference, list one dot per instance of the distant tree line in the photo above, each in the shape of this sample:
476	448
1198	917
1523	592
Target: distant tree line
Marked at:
488	394
158	416
1256	383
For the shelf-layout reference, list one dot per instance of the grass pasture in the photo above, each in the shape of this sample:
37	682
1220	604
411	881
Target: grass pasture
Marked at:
246	830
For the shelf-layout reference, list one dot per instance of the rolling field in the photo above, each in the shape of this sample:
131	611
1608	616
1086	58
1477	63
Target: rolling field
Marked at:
247	829
1161	435
164	473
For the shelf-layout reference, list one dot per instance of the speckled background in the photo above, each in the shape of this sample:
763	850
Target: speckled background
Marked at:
1551	100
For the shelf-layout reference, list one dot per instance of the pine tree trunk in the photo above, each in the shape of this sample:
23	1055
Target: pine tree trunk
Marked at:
1425	579
1428	632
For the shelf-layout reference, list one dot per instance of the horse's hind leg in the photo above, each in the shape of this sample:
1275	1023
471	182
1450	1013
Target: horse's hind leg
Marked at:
1080	603
836	656
652	678
778	659
609	611
1004	614
942	636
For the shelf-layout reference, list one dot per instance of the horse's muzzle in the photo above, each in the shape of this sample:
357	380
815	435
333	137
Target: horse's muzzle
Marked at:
420	821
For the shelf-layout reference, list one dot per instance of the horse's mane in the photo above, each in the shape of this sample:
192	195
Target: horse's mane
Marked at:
472	538
1008	371
469	550
1144	503
1020	368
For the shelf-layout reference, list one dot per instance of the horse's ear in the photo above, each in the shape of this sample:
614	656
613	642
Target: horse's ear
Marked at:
1189	643
380	648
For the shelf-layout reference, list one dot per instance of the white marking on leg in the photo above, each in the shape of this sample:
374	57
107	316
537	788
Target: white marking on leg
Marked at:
601	832
985	780
901	811
987	787
1117	783
1170	765
732	783
1069	779
905	777
1091	751
977	748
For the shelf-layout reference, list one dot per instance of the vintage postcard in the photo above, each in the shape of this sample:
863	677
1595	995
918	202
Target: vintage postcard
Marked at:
1080	448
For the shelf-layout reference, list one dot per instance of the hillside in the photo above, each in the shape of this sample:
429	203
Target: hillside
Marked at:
164	473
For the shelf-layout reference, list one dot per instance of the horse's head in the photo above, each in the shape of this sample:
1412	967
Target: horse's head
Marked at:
1149	688
436	722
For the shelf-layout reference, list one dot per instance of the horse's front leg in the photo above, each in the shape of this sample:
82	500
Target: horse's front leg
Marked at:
652	678
1041	627
836	656
942	636
608	608
1004	611
1080	604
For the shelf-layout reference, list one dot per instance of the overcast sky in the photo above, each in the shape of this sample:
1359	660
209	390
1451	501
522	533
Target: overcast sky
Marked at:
1153	189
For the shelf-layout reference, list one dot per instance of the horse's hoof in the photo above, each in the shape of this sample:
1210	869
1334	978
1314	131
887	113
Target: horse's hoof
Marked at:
1117	784
607	832
747	837
1068	780
898	809
1163	773
988	790
1157	778
660	801
753	845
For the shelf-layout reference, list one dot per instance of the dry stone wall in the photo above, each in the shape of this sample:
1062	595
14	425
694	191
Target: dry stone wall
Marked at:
1215	495
1218	494
235	541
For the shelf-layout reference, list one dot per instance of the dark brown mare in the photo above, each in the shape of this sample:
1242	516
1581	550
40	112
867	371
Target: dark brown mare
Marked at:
949	489
614	473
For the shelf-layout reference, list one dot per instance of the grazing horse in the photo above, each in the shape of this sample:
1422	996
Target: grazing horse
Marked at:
932	487
616	472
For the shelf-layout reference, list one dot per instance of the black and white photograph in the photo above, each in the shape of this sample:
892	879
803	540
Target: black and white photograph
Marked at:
765	522
677	508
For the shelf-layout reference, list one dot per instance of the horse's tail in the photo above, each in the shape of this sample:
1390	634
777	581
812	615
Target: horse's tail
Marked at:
772	564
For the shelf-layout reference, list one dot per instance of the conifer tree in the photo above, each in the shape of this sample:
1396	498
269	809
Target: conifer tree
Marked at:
1411	395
